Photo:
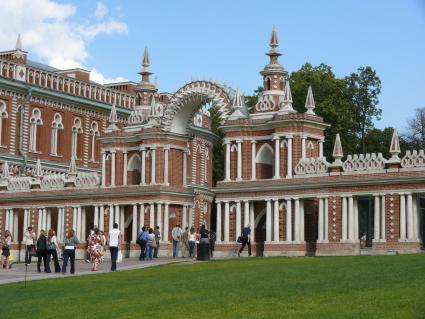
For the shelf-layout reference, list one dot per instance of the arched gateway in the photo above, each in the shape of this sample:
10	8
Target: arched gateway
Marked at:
156	160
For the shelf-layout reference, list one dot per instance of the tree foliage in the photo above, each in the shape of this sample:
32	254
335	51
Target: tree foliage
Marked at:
218	148
414	136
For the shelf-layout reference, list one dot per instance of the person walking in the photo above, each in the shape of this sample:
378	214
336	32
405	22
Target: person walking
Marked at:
246	240
151	243
157	234
52	251
114	240
192	242
142	239
185	241
213	238
28	240
95	248
70	243
5	250
176	234
42	251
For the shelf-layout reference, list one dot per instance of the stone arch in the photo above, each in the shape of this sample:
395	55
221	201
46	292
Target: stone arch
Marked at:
179	113
265	162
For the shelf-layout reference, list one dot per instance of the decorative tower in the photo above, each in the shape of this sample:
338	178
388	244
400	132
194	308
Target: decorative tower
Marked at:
274	78
238	107
145	89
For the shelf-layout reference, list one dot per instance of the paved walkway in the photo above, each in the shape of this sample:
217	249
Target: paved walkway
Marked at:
17	273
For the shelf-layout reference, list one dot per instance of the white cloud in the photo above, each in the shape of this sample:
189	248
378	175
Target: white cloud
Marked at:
49	32
100	78
101	10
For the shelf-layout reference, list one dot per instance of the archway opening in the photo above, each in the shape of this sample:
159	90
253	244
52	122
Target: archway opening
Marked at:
265	162
133	171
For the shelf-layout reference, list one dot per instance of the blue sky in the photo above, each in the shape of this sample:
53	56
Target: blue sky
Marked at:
226	41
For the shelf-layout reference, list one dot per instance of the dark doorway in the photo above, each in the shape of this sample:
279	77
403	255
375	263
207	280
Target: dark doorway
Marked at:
421	210
366	213
260	236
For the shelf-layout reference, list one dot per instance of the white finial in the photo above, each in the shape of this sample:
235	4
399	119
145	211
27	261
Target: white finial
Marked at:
274	42
5	173
309	102
237	101
395	148
113	119
337	151
286	100
38	170
18	46
145	61
72	171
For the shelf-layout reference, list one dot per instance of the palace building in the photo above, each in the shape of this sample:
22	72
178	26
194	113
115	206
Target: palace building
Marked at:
74	154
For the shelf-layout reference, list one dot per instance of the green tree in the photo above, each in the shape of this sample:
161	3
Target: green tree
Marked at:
364	88
251	100
415	133
379	141
218	148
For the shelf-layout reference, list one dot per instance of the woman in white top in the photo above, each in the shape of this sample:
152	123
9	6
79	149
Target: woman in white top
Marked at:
29	240
192	242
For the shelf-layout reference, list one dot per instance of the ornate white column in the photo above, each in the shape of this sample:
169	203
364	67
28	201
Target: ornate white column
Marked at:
409	217
276	156
191	218
383	218
165	230
96	216
143	168
134	228
238	219
44	219
350	218
166	150
125	168
184	217
159	216
113	168
117	214
153	166
402	217
40	219
276	221
185	168
321	148
268	220
59	231
289	159
297	235
252	220
122	219
103	169
321	220
26	218
239	164
289	220
111	216
218	221
326	236
303	146
83	224
253	161
152	216
246	213
102	218
141	216
376	214
78	224
227	143
226	221
344	220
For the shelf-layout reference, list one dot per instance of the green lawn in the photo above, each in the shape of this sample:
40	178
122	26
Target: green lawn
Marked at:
319	287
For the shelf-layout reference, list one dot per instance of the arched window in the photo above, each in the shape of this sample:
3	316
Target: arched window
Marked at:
265	162
35	121
134	170
3	117
76	130
310	149
94	132
56	126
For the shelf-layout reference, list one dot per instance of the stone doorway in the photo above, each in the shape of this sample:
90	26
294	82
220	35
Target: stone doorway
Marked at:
260	235
366	221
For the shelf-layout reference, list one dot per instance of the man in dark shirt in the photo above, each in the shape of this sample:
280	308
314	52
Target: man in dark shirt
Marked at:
246	240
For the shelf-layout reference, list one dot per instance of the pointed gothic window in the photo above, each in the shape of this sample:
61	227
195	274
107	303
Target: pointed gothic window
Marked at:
3	117
56	126
35	121
94	132
76	131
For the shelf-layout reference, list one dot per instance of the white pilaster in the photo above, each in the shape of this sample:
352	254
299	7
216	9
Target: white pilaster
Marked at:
246	213
326	219
134	228
289	220
239	164
166	150
125	169
252	220
102	218
83	224
350	218
96	216
382	232
113	168
320	148
117	215
321	220
111	216
153	166
253	161
276	221
15	217
159	216
227	143
103	169
218	221
376	217
143	169
276	156
356	219
141	216
409	217
184	168
402	217
268	221
165	230
152	216
184	217
289	159
297	221
226	222
303	147
238	219
344	220
122	219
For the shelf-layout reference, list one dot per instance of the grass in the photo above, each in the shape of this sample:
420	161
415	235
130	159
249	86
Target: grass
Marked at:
320	287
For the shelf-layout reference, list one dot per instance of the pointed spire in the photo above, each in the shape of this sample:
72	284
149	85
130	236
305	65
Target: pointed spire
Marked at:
38	172
113	119
18	46
337	153
309	102
145	61
237	101
286	100
274	42
72	171
5	173
395	148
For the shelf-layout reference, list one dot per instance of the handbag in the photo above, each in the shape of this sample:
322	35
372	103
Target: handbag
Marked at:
33	252
119	258
240	240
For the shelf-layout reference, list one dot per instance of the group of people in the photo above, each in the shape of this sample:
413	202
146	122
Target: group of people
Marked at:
188	239
148	240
